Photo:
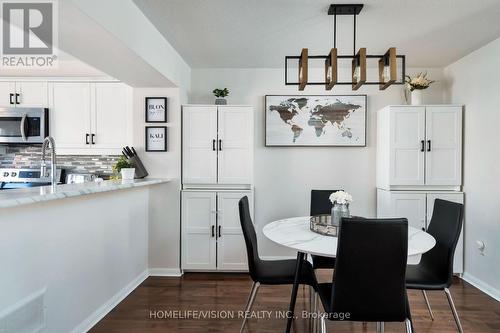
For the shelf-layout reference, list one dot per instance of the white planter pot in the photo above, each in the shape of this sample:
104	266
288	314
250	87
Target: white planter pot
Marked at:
127	173
417	97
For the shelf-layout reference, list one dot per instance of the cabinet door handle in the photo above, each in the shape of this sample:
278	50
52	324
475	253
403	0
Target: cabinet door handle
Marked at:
422	147
428	145
213	231
11	101
17	101
213	144
87	138
220	232
220	144
92	138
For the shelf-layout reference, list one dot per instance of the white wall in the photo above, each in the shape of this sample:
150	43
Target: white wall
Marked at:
164	219
83	260
473	81
285	176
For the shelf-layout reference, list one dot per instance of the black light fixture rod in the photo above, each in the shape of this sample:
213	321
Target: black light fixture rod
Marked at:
354	39
335	28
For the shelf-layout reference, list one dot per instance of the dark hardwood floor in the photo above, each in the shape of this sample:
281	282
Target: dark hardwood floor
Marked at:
228	293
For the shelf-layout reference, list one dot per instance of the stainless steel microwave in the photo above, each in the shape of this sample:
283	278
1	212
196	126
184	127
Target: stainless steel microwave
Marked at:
23	125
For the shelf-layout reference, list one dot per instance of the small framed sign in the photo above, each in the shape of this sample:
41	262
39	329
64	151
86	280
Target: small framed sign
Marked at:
156	138
156	109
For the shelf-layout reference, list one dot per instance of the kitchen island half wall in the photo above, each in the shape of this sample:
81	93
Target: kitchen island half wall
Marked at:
69	257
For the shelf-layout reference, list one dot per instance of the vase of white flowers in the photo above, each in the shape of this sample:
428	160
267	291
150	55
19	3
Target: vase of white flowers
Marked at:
340	209
416	87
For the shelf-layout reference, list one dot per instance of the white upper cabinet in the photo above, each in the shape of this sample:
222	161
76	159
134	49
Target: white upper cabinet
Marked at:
419	146
111	118
7	94
235	145
407	135
26	94
443	158
90	118
199	143
70	113
32	94
217	145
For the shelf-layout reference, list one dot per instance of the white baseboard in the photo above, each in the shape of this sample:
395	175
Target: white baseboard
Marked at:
175	272
104	309
481	285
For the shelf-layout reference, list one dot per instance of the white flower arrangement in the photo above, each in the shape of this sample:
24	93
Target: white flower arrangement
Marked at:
341	197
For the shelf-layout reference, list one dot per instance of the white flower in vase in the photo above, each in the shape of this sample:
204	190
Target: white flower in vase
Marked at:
341	198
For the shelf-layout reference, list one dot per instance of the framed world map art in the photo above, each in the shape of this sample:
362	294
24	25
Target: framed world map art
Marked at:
316	120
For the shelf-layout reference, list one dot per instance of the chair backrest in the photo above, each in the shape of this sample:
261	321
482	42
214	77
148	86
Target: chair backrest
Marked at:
445	227
250	237
370	268
320	202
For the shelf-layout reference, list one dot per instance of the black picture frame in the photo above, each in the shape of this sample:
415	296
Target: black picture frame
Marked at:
147	138
267	144
165	109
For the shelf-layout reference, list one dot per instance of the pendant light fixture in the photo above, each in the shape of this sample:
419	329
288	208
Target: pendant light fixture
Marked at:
387	63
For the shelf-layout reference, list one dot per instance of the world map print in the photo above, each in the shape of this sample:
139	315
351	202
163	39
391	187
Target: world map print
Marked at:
315	120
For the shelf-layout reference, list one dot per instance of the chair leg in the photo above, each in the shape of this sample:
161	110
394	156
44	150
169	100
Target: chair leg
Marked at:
323	323
315	312
251	299
428	304
408	326
453	310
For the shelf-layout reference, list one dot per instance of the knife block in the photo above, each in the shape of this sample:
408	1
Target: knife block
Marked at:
140	170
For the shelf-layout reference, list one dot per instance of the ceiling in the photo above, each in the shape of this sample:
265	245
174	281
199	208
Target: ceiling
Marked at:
259	33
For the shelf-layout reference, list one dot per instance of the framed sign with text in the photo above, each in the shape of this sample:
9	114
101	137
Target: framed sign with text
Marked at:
156	138
156	109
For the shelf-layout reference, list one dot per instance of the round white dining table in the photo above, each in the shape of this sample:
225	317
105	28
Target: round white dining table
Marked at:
294	233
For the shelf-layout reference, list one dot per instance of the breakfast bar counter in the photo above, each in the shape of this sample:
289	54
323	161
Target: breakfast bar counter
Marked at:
24	196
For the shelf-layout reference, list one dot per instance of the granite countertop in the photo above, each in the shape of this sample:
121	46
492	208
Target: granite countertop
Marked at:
24	196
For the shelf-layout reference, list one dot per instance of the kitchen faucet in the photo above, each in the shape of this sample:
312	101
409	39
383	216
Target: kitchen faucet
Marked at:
49	142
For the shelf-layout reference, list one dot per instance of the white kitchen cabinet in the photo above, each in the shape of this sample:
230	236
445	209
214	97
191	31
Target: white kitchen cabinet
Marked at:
90	118
217	145
70	114
417	207
199	244
235	144
212	238
111	117
199	143
443	158
419	147
25	94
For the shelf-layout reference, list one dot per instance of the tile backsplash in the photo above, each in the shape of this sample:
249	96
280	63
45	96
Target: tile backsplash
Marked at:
28	156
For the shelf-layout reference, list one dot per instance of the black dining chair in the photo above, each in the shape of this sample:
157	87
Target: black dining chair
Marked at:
435	270
267	272
369	276
321	204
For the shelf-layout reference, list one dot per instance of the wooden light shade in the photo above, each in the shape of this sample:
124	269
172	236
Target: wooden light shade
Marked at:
331	69
303	69
389	59
359	60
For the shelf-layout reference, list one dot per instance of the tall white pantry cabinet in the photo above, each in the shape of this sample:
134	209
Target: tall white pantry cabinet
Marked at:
217	171
419	159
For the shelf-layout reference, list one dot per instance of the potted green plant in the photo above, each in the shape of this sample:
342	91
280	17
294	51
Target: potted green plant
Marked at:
220	95
124	167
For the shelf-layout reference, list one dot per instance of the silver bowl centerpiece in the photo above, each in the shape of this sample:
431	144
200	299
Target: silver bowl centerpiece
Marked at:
322	224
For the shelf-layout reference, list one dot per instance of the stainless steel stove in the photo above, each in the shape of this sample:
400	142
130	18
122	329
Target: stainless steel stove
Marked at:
22	178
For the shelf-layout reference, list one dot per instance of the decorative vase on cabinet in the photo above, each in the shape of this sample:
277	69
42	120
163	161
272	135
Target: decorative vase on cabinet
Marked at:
417	97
